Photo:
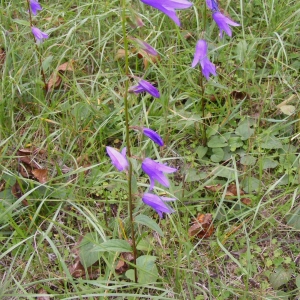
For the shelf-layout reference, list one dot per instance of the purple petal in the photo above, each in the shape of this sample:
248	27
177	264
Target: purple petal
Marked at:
156	203
35	6
223	23
212	4
146	47
148	87
200	52
39	35
118	159
155	137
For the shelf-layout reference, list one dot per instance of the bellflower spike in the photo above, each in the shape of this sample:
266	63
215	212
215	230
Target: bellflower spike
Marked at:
118	159
223	23
212	4
156	172
157	203
201	57
145	86
168	7
35	6
38	34
155	137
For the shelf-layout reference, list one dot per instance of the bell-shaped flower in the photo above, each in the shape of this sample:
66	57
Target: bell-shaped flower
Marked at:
155	171
35	6
145	86
38	34
212	4
168	7
223	23
201	58
154	136
145	46
157	203
118	159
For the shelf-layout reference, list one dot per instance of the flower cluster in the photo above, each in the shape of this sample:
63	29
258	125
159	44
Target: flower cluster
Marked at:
38	34
153	169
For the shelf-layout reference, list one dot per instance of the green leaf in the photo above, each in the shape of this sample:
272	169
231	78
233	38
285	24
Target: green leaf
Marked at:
217	141
293	219
47	62
268	163
218	154
145	220
146	268
244	130
201	151
250	184
271	142
287	109
280	278
235	142
144	245
21	22
248	160
114	245
298	281
87	249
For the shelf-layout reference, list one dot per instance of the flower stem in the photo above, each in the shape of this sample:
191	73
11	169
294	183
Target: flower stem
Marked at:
37	49
130	196
203	124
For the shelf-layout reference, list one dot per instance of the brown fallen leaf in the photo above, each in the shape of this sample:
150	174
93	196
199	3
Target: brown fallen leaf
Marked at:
2	57
40	174
120	54
122	265
56	77
214	188
202	227
17	192
45	295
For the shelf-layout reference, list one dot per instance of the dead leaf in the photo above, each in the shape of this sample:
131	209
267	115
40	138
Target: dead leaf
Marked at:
120	54
246	201
2	57
40	174
147	58
122	265
44	297
214	188
202	227
17	192
239	95
77	269
55	79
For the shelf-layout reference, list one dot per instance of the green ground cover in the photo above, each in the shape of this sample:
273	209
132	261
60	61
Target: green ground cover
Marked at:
246	177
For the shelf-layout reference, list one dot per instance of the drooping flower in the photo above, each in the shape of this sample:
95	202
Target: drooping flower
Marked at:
39	35
157	203
223	23
168	7
35	6
156	172
154	136
145	86
201	58
212	4
118	159
145	46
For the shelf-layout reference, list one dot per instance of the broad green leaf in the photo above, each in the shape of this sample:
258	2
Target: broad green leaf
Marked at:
280	277
298	281
268	163
192	175
217	141
293	219
47	62
235	142
21	22
147	270
244	130
248	160
87	253
114	245
144	245
226	172
250	184
201	151
271	142
145	220
218	154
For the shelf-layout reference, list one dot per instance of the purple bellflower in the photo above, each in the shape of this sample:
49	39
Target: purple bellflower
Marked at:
35	6
212	4
154	136
168	7
146	47
157	203
201	58
223	23
38	34
156	172
145	86
118	159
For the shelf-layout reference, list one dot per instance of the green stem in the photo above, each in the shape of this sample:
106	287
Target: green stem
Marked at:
130	197
203	124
